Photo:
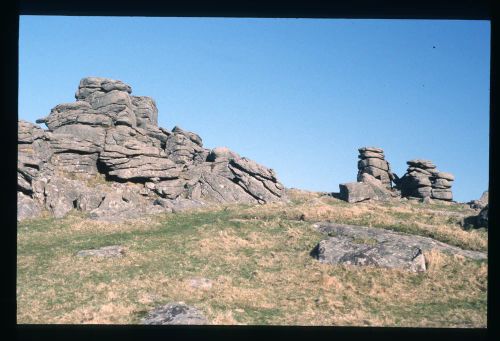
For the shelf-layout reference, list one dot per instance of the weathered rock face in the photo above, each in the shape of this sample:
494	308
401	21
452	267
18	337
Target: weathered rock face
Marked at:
360	246
109	132
423	180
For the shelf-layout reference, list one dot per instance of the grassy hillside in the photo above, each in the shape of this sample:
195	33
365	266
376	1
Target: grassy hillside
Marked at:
257	258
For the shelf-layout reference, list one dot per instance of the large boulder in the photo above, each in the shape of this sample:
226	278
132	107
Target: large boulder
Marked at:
356	192
370	188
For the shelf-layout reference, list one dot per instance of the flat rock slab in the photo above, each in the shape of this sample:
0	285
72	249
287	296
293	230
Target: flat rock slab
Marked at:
106	251
352	251
175	313
360	245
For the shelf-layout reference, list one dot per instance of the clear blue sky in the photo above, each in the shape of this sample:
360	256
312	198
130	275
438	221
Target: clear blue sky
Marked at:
297	95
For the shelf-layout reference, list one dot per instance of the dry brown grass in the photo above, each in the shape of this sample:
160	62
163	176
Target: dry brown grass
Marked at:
257	258
438	221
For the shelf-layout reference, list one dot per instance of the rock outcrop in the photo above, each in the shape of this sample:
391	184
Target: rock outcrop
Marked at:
482	217
361	246
108	132
481	203
476	221
374	180
423	180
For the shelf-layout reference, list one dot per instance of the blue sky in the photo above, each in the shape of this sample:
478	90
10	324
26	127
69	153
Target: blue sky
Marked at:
296	95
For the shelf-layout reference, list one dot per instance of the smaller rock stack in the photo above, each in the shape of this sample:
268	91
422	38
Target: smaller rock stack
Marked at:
374	181
372	161
423	180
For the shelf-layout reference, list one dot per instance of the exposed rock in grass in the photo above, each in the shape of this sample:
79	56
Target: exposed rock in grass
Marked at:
175	313
349	251
111	251
348	245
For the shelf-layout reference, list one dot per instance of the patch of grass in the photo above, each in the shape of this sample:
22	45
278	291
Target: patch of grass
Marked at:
257	258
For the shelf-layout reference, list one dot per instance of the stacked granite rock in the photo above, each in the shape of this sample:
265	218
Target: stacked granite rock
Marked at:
372	161
110	133
423	180
374	180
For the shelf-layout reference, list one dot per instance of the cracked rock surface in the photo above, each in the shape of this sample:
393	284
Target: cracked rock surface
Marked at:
105	154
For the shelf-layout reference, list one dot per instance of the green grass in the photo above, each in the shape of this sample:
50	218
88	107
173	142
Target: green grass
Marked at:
258	260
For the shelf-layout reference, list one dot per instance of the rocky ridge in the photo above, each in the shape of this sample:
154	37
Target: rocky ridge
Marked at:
111	134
